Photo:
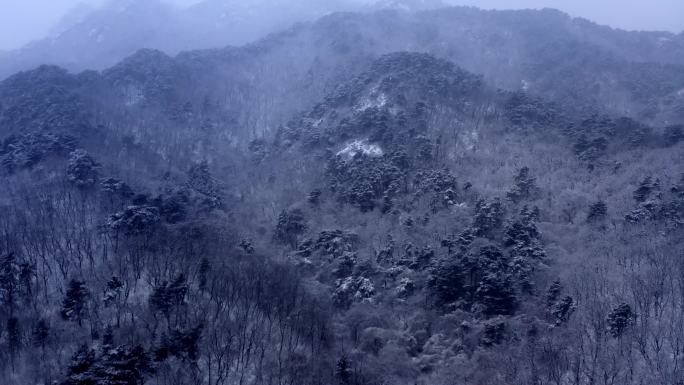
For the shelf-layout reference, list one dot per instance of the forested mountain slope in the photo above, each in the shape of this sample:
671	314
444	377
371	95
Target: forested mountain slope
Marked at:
327	206
252	90
99	38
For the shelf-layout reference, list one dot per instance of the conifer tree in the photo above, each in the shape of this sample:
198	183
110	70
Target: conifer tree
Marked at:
74	305
619	319
83	171
597	212
343	371
646	188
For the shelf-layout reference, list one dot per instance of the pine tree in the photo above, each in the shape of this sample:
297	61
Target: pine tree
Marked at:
78	372
168	296
494	333
120	365
563	309
116	188
446	281
185	344
597	212
74	305
201	180
619	319
135	220
673	134
345	266
488	217
178	289
482	279
41	333
26	274
113	291
581	145
291	224
161	352
521	232
343	371
315	197
160	300
108	337
553	293
678	189
647	187
9	281
387	204
204	269
82	170
247	246
496	293
13	339
525	187
526	248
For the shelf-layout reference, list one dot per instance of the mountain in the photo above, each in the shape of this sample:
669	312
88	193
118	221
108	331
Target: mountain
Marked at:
255	88
77	14
505	47
98	38
236	22
406	197
102	37
90	38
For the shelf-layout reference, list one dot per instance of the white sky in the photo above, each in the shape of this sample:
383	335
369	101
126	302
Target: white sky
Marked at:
24	20
667	15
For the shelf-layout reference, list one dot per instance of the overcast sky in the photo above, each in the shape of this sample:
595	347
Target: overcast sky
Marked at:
24	20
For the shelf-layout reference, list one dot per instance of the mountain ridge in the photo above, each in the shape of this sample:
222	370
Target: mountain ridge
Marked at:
432	198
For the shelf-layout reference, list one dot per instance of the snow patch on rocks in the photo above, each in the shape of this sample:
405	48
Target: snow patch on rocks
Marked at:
374	99
524	85
360	146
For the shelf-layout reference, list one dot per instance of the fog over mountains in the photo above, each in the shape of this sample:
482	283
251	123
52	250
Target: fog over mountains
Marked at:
401	193
97	37
91	37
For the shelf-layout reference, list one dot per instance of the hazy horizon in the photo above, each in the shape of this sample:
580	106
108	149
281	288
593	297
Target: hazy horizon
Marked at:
20	23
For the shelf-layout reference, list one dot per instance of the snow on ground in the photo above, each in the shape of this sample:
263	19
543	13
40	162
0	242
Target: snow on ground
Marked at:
662	41
525	85
360	146
374	99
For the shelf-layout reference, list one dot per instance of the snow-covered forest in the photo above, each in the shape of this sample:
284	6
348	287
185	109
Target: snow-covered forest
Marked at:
385	195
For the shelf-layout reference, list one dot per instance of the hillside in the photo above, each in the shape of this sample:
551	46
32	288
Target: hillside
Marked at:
99	38
397	197
255	84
